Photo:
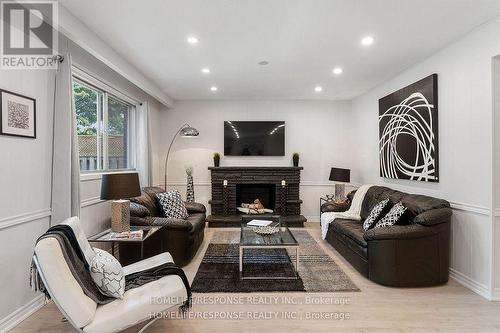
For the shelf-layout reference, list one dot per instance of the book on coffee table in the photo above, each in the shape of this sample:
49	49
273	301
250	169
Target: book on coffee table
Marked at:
259	223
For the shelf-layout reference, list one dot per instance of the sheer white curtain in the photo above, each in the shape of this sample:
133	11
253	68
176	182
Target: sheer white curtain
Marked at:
65	157
143	148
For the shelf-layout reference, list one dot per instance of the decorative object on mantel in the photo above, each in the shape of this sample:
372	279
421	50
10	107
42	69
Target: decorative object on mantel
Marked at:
295	159
343	176
185	131
117	187
408	132
18	115
216	160
190	185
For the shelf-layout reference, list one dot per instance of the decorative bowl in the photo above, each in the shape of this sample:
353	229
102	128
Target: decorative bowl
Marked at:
266	230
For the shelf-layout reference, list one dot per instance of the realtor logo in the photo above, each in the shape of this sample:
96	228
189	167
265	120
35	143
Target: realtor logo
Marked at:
28	34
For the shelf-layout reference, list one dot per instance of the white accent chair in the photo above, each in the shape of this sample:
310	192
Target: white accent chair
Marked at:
137	306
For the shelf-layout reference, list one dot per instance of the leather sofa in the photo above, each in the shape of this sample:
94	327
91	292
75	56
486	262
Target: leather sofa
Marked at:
413	255
181	238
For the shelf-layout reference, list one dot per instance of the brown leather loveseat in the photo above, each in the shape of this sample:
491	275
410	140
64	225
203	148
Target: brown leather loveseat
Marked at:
182	238
412	255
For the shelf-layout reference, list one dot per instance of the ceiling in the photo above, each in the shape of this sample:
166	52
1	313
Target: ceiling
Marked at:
303	40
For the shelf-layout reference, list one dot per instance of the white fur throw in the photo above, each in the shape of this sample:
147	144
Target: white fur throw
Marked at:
354	212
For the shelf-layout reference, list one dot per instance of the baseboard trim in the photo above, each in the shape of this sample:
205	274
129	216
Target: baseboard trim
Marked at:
16	317
496	295
478	288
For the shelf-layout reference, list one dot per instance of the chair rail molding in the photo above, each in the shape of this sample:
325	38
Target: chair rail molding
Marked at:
11	221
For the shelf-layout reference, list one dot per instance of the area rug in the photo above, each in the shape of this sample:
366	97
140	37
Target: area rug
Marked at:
219	271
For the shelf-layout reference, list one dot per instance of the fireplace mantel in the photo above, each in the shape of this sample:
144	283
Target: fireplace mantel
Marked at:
224	183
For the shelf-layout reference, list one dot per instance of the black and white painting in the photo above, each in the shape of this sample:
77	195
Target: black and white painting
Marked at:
18	115
408	132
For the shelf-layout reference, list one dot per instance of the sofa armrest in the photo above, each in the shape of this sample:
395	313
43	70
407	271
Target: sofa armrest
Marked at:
434	217
138	210
171	223
411	231
195	207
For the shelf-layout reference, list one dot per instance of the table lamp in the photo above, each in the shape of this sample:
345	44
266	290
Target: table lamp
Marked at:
119	187
343	176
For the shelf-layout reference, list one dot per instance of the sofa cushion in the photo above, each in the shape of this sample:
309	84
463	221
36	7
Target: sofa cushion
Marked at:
394	216
146	201
415	203
377	213
172	205
350	228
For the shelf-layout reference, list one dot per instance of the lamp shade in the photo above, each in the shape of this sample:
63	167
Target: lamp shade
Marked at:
120	186
340	175
188	131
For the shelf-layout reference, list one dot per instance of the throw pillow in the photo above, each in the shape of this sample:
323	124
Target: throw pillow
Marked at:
393	217
376	214
107	274
172	205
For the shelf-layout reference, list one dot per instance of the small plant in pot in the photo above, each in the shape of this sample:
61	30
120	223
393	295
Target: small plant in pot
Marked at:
216	159
295	159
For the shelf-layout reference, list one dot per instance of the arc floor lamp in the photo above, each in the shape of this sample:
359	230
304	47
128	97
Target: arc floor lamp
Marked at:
185	131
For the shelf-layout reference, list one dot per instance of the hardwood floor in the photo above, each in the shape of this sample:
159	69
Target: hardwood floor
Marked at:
449	308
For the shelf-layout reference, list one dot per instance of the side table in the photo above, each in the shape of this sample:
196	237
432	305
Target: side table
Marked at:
107	237
329	204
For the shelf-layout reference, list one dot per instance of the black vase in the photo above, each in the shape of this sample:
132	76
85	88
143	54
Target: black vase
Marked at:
295	161
216	161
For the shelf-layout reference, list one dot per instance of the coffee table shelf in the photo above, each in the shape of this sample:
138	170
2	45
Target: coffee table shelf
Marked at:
283	239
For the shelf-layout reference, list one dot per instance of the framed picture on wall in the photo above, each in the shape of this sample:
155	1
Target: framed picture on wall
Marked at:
408	132
18	115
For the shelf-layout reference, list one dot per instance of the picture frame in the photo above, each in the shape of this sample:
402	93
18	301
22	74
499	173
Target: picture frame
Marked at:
409	132
17	115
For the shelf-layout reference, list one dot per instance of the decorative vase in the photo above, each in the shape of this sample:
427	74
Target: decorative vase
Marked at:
216	160
295	159
190	185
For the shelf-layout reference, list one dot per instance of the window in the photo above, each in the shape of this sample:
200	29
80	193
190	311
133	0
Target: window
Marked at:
105	126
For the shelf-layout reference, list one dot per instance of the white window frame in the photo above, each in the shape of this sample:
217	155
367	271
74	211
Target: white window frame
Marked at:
107	90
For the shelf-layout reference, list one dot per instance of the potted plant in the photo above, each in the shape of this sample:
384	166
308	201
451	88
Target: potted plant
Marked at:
295	159
216	159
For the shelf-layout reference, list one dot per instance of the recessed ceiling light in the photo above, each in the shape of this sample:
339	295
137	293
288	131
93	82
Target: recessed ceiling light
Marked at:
337	70
205	70
213	88
192	40
318	89
367	40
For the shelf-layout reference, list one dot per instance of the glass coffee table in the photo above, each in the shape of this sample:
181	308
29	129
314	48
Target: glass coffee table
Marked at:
283	239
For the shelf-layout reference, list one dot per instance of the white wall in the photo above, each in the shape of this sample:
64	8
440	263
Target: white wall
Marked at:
319	130
496	189
25	181
24	189
465	139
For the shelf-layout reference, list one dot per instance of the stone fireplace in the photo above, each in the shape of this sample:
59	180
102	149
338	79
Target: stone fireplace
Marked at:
278	188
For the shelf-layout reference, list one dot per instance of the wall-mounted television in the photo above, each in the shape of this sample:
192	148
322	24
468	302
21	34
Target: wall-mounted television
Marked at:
254	138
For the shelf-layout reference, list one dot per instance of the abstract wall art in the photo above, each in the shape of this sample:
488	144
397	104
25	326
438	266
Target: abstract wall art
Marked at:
408	132
17	115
